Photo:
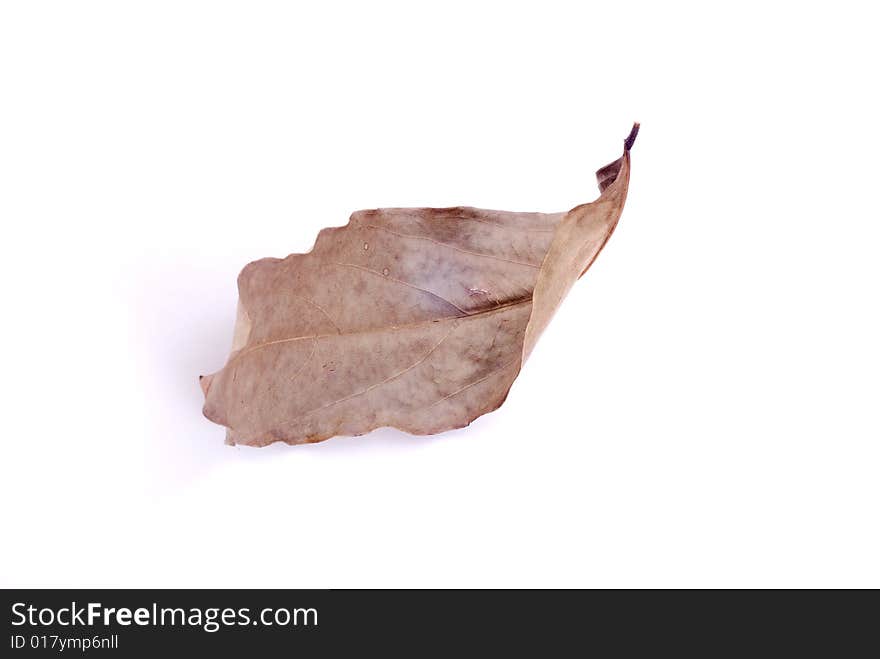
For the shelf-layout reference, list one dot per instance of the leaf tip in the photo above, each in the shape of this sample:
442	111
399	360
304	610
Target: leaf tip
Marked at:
631	138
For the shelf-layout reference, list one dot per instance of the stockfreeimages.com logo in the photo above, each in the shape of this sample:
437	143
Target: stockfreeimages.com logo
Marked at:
209	619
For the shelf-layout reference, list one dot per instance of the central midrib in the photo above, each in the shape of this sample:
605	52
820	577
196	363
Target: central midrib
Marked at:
373	330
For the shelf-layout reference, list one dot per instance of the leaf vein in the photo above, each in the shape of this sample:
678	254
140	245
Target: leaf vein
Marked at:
418	323
457	249
391	378
472	384
319	308
400	281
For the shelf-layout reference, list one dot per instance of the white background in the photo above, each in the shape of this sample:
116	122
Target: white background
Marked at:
703	411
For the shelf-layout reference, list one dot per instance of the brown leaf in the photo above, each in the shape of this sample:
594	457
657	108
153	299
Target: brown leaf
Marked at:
416	318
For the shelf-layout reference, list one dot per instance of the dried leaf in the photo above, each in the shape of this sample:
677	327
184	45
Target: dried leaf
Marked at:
416	318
